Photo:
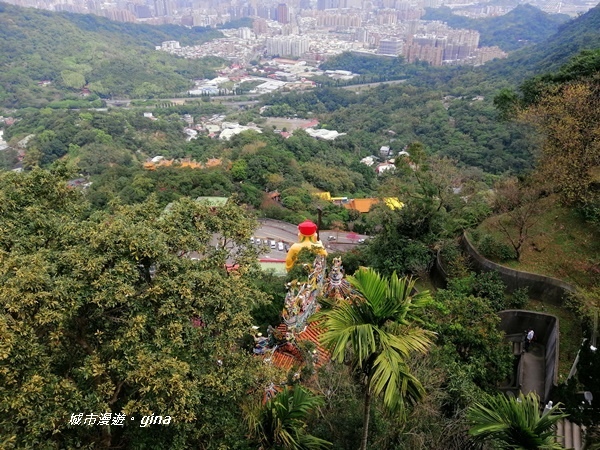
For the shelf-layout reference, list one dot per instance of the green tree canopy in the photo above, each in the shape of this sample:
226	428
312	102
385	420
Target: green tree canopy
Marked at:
107	313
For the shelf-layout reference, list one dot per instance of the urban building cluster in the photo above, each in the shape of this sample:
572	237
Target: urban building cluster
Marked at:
313	29
214	12
430	41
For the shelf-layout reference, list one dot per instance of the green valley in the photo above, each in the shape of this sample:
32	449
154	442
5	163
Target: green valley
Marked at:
133	309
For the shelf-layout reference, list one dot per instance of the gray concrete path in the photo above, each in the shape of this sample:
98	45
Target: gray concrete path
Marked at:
533	370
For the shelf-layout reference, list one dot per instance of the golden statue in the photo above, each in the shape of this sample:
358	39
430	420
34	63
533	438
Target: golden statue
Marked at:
307	238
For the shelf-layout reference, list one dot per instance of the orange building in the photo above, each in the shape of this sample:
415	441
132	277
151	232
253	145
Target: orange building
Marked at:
364	205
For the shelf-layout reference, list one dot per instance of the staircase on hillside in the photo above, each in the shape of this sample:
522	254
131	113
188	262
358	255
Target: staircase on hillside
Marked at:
569	435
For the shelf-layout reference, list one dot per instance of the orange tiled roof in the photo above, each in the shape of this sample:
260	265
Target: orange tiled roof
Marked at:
362	205
191	164
213	162
287	355
312	333
282	360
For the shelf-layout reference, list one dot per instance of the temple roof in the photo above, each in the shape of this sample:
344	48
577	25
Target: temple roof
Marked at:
213	201
288	355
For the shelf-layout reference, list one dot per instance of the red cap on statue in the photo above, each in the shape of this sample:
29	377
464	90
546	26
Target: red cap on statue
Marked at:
307	228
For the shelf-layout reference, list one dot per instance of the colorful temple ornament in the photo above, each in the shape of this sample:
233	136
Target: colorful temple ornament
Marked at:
337	287
301	298
294	345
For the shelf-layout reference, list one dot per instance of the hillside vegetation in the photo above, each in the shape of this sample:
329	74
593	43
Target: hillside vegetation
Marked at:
521	27
98	291
582	33
562	245
112	59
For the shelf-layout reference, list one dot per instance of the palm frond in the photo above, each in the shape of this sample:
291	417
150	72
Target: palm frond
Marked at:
310	442
374	327
371	286
280	423
391	379
344	326
518	423
408	339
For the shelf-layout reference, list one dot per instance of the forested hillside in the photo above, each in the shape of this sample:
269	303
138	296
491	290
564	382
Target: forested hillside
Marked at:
458	122
582	33
521	27
112	59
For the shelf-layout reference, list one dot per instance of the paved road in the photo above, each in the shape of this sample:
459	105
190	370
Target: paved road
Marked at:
233	99
287	233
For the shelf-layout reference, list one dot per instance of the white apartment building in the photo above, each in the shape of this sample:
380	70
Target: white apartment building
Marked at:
287	46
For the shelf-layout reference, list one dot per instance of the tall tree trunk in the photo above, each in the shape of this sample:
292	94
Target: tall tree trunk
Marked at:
366	416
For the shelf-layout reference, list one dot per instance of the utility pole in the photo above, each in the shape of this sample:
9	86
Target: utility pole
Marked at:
319	215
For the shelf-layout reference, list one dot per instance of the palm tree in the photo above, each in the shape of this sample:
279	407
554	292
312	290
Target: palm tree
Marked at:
279	424
515	423
375	330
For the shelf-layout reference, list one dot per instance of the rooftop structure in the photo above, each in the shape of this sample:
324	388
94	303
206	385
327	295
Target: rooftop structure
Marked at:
364	205
327	135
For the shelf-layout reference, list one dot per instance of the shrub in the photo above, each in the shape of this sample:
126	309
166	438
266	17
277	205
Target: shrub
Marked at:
462	285
454	262
489	285
475	236
278	213
590	210
519	298
491	248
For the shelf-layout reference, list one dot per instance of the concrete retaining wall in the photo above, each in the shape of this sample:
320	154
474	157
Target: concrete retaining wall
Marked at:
438	274
514	322
541	287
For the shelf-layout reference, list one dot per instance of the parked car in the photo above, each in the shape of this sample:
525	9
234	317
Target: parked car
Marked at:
273	245
280	246
331	238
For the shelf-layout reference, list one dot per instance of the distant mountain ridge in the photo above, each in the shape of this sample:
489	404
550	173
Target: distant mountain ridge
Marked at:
71	51
523	26
581	33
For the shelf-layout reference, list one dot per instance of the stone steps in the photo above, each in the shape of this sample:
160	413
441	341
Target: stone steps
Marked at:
569	435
